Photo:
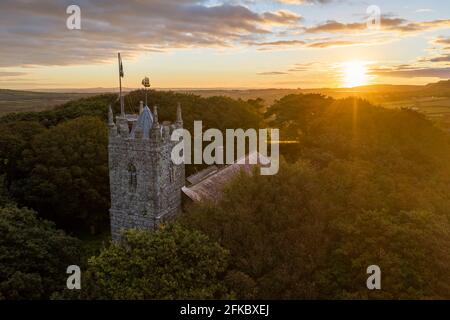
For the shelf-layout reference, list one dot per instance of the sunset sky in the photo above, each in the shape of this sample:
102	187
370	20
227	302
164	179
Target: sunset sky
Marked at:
223	44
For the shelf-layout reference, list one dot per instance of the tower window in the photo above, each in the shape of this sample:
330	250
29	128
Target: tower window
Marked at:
171	173
132	178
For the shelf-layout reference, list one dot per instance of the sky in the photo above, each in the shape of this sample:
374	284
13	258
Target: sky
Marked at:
224	44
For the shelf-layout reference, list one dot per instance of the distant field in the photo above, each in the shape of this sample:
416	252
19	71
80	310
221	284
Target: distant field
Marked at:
22	101
437	108
431	106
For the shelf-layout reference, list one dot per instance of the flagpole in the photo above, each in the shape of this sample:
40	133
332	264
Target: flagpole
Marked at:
122	109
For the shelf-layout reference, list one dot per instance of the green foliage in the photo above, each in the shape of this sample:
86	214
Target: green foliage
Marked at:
311	232
170	263
14	138
92	106
215	112
327	129
371	188
64	174
364	185
5	198
293	113
274	229
411	248
33	255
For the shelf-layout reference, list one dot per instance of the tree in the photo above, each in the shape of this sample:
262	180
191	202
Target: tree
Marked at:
294	112
33	255
170	263
310	232
411	248
215	112
274	228
293	115
64	174
14	138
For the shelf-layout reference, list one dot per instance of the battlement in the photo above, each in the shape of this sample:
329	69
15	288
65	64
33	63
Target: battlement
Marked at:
143	126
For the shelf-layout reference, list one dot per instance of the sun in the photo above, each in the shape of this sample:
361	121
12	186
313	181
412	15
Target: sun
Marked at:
354	73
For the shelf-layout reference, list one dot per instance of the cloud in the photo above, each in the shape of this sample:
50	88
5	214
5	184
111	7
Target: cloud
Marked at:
307	66
356	33
11	74
425	10
315	43
280	43
271	73
387	23
333	43
442	41
409	71
281	17
444	58
441	54
301	2
36	33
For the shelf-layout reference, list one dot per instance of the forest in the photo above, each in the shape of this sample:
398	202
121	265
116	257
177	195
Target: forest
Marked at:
362	185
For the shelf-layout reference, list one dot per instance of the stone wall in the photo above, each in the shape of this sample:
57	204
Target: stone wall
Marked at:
152	194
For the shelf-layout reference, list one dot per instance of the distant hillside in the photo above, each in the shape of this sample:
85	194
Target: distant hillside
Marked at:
440	87
403	95
376	93
23	101
84	90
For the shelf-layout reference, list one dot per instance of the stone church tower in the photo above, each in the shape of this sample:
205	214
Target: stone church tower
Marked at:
145	184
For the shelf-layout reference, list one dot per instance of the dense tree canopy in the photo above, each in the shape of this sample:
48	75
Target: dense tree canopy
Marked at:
274	230
412	249
170	263
311	233
15	137
361	185
371	187
215	112
64	173
33	255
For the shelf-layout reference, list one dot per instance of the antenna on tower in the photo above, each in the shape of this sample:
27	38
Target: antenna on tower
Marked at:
146	84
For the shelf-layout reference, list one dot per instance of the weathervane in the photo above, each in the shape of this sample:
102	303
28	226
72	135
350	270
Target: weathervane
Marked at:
146	84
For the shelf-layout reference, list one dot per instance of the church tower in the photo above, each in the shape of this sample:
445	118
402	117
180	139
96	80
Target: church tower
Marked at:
145	184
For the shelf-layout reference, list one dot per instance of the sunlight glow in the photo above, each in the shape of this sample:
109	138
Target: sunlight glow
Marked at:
354	73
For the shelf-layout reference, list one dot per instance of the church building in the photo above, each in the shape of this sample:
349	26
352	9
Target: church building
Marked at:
146	187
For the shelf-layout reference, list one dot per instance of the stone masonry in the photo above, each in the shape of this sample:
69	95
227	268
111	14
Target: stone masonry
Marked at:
145	184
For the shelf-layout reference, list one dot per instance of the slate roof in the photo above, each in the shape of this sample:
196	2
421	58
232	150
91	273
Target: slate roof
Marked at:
209	185
143	123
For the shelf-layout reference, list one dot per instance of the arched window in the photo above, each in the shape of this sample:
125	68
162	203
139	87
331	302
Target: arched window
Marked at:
132	179
171	173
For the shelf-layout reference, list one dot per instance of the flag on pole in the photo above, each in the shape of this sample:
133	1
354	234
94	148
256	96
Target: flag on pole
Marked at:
122	105
120	67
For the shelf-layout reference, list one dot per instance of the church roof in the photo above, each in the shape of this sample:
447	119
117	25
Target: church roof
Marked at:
144	123
197	177
210	187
